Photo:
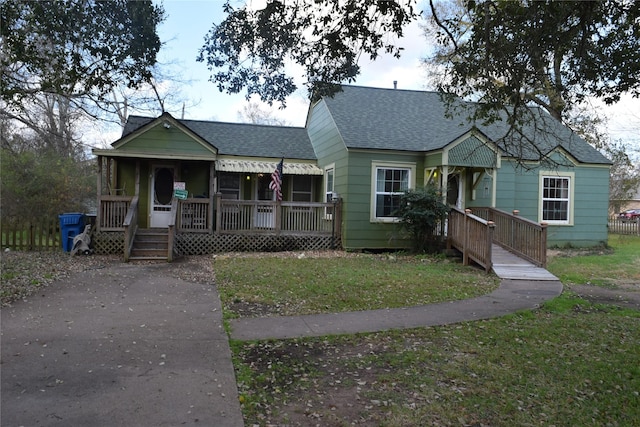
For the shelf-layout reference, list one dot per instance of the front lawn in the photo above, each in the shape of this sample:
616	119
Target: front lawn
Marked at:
569	363
292	284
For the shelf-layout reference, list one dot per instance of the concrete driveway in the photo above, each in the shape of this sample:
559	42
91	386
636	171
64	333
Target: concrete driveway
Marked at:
123	344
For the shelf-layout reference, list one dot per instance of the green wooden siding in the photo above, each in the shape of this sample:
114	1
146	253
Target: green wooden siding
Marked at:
483	198
145	184
195	175
433	160
517	188
162	142
126	176
360	232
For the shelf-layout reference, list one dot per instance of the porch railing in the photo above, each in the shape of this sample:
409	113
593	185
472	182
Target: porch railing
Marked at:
523	237
112	212
194	216
471	235
267	217
231	216
130	225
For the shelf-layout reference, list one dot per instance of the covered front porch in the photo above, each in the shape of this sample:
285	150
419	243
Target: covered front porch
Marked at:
191	207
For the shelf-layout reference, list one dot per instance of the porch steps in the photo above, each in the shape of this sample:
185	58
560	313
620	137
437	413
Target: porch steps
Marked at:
150	244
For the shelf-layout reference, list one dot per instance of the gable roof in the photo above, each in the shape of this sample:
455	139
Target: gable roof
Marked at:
241	139
410	120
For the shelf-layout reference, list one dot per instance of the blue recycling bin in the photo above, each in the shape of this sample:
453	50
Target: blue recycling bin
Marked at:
71	224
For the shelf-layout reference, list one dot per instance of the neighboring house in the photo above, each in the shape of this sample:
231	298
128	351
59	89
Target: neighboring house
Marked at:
363	147
634	203
631	203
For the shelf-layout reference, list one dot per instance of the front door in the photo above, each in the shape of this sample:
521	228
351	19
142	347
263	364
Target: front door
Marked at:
455	192
161	195
264	217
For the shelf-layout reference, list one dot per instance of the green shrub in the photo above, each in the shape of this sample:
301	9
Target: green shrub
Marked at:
420	212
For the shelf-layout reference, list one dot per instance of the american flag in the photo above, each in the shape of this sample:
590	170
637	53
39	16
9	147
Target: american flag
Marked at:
276	181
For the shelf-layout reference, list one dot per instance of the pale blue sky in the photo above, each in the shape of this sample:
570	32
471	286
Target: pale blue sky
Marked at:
188	21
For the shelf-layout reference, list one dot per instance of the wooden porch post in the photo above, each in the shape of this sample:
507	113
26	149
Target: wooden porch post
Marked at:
278	217
444	178
99	194
137	189
465	244
489	261
218	197
338	218
543	244
212	188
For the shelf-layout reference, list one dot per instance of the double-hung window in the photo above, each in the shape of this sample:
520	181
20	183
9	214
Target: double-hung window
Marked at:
556	199
390	182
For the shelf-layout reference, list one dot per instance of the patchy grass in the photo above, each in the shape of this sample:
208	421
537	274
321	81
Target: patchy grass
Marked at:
601	266
570	363
24	273
293	285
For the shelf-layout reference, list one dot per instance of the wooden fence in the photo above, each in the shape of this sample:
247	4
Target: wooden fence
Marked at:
616	226
39	235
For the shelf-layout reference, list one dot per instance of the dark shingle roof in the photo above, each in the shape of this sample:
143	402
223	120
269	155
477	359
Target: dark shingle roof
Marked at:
408	120
238	139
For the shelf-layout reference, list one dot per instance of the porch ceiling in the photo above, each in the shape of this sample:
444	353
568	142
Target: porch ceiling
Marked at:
252	166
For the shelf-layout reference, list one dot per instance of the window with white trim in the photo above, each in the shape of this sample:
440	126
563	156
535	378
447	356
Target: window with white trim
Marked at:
390	183
329	180
556	199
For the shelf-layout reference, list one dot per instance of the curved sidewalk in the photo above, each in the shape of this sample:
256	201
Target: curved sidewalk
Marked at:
523	286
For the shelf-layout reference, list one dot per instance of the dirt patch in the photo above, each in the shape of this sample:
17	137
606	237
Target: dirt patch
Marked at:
620	293
625	295
573	252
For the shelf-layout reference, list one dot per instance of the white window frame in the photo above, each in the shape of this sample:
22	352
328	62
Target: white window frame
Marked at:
329	192
570	177
375	167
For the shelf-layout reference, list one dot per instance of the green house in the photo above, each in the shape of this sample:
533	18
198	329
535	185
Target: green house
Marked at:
372	144
210	185
343	174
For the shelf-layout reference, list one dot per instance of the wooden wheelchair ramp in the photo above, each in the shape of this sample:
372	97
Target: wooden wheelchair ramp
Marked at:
506	265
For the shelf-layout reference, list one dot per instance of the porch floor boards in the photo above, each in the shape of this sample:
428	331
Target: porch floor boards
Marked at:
509	266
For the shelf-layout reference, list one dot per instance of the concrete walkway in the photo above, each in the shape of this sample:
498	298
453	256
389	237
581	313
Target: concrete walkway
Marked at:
522	286
123	345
